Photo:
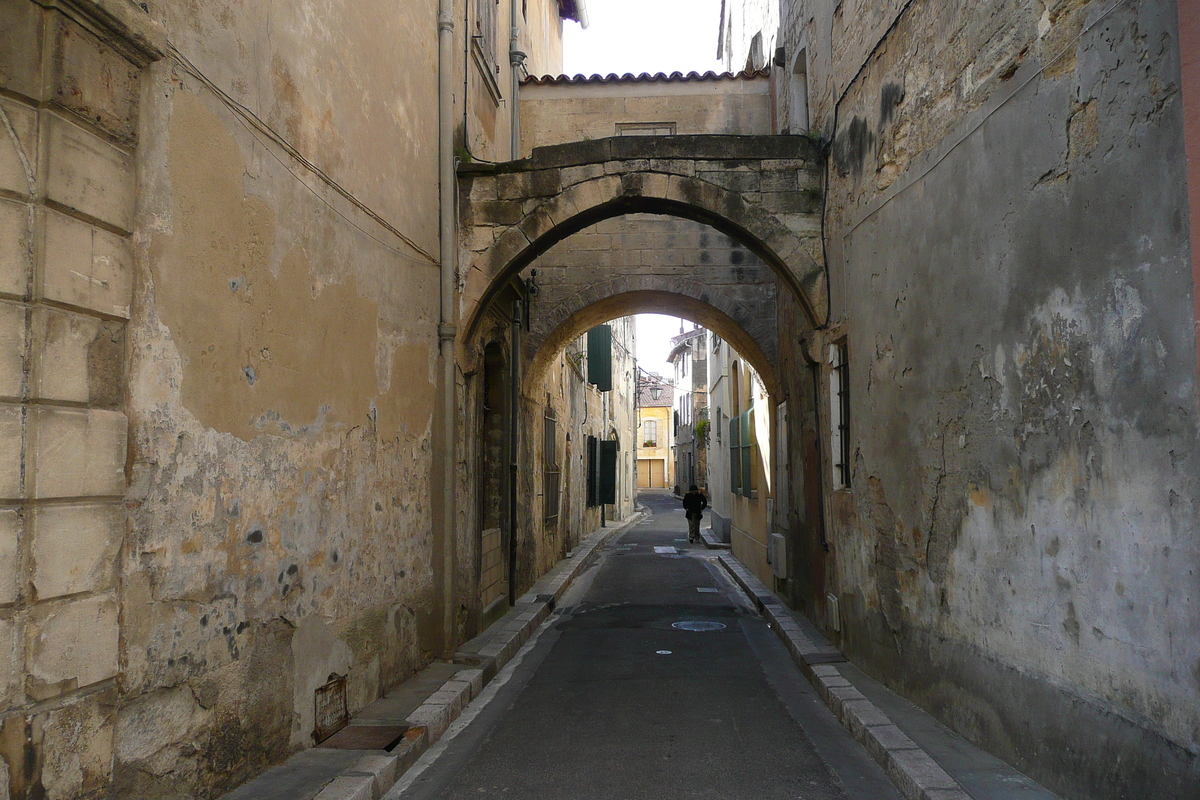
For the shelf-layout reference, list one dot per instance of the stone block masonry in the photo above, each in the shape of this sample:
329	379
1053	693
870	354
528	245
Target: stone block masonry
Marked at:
68	124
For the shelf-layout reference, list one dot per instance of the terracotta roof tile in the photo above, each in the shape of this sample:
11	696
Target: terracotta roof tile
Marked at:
645	77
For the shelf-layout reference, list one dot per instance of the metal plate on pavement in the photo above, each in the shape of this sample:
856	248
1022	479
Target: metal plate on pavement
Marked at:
698	625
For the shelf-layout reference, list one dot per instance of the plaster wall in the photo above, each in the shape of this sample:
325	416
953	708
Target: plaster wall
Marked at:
741	22
661	451
732	382
1018	312
282	362
486	72
581	411
571	112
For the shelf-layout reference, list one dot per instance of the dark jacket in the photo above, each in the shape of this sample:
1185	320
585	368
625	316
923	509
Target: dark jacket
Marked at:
694	503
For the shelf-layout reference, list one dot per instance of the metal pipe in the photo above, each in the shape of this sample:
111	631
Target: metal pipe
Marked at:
516	60
447	330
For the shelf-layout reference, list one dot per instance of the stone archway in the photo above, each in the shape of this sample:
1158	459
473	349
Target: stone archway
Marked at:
756	347
762	190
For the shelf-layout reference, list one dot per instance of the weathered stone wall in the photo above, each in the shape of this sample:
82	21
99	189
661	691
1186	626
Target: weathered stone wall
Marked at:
648	253
1018	308
69	138
282	361
556	112
741	22
759	190
581	411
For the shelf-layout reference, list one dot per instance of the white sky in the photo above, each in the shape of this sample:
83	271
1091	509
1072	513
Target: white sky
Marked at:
654	332
646	36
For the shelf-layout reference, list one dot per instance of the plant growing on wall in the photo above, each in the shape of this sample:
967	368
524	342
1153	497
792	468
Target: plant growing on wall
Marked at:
702	428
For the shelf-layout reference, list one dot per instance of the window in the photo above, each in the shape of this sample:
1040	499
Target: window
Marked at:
485	27
735	455
756	58
743	438
550	469
798	112
839	414
645	129
749	446
650	433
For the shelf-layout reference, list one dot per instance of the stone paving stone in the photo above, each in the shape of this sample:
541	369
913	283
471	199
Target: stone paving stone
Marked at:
381	767
349	787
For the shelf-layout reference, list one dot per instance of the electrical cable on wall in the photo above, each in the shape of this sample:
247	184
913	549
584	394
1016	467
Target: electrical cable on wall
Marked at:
257	127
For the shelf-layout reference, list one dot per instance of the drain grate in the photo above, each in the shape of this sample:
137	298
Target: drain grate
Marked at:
707	590
698	625
366	737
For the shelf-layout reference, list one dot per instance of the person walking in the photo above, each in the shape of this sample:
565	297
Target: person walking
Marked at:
694	503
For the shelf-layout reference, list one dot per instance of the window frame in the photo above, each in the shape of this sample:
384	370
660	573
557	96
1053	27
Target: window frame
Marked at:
839	414
551	470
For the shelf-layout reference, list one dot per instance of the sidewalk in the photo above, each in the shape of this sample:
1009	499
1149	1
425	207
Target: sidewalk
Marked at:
925	759
364	759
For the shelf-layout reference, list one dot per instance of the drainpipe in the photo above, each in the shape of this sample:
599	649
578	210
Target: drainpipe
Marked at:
446	327
516	60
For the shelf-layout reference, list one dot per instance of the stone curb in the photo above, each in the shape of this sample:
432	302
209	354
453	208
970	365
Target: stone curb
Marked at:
916	774
483	657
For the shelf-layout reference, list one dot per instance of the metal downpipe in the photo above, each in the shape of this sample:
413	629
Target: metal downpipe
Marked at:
447	330
516	60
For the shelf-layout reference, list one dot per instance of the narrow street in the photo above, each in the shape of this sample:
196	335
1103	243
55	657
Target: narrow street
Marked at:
617	698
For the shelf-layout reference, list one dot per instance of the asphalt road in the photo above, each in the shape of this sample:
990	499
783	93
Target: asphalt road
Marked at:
613	700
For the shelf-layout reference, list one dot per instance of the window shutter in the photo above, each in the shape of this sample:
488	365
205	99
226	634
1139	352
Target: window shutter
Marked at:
608	472
599	345
735	456
747	435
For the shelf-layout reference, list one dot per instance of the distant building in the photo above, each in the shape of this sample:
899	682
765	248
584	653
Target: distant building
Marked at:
655	432
690	418
739	490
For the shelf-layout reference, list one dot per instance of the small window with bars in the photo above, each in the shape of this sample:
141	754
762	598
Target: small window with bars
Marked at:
551	472
839	414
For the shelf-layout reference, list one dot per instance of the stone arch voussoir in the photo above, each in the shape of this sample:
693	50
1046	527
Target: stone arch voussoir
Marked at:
529	211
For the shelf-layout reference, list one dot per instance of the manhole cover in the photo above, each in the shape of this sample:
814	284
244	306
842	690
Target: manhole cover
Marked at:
366	737
697	625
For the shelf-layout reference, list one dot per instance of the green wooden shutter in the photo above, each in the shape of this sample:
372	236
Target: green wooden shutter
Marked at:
599	344
747	448
735	456
608	472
